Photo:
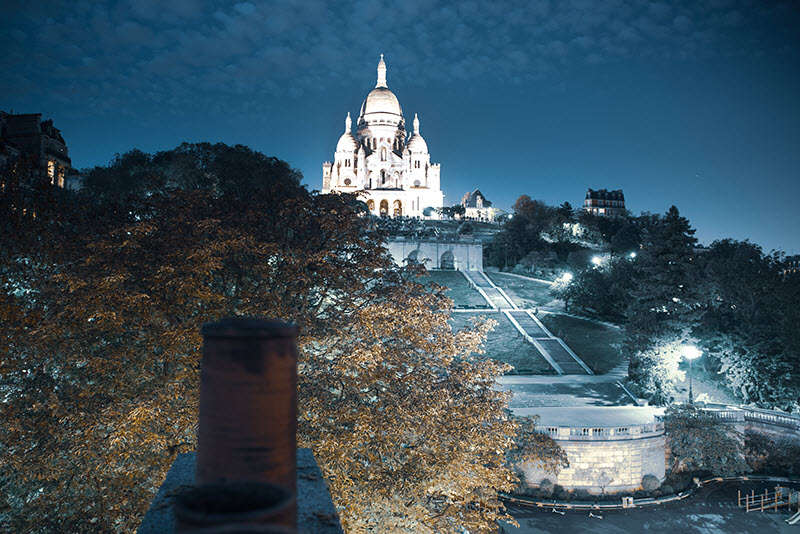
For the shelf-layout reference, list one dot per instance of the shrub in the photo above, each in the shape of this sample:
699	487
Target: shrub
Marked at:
650	483
582	495
546	487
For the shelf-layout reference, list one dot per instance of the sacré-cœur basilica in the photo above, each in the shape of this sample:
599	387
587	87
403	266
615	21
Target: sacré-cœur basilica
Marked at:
394	171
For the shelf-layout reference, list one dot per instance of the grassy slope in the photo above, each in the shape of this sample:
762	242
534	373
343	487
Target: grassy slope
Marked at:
594	343
459	290
506	344
525	293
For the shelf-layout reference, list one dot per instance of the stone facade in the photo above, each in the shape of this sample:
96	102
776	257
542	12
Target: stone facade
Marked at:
606	460
392	171
440	254
28	134
477	207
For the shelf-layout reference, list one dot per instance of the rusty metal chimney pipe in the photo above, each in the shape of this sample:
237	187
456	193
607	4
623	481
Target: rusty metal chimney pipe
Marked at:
247	427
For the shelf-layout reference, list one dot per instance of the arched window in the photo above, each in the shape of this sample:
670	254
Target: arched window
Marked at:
371	205
384	208
383	177
383	154
397	209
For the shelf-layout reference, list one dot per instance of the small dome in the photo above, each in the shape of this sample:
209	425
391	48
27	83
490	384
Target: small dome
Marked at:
417	144
347	143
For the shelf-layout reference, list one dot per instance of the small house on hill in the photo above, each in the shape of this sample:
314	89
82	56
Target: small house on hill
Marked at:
477	208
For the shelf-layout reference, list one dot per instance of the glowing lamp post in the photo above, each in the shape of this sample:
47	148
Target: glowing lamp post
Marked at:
597	260
691	353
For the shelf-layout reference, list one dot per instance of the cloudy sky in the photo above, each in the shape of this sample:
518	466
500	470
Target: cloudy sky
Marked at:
695	104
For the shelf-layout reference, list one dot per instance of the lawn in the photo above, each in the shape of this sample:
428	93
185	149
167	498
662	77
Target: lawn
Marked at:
506	344
598	345
459	289
525	293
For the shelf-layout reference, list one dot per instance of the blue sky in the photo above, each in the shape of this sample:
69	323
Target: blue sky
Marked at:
695	104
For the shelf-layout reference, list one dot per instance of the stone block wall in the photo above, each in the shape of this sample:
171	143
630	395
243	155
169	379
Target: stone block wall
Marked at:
606	466
466	256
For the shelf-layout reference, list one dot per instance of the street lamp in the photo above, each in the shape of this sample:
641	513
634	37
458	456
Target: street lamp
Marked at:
597	260
691	352
566	277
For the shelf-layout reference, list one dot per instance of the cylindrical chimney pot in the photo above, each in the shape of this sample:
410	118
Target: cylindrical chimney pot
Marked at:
248	405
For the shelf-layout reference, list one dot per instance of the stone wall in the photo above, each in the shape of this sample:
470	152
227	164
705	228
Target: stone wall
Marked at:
438	254
607	462
606	459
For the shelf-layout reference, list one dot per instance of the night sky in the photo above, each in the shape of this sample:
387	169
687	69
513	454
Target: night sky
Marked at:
694	104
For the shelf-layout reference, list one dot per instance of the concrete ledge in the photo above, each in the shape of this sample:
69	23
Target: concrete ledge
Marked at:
315	511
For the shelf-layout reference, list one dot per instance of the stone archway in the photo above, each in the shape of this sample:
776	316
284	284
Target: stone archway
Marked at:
371	205
413	257
384	208
397	209
447	261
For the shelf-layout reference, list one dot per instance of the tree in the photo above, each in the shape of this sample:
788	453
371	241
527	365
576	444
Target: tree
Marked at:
665	303
748	323
101	359
700	441
190	166
599	290
536	449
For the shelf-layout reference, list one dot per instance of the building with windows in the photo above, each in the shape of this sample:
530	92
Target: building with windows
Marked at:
392	171
604	202
791	265
477	208
28	135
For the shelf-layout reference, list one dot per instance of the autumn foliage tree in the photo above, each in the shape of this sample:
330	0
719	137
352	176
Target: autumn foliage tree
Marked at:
102	301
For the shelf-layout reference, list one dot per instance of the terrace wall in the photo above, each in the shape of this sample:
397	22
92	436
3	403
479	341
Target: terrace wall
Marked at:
466	255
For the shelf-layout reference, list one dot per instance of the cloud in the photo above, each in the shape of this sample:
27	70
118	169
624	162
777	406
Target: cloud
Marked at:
188	48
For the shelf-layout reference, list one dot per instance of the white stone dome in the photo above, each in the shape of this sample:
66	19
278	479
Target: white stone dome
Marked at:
347	143
417	143
381	100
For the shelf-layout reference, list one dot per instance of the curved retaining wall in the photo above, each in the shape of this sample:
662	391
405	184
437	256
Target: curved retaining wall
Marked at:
609	459
606	459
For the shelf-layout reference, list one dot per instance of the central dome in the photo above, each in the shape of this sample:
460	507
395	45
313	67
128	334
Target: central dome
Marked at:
381	100
381	106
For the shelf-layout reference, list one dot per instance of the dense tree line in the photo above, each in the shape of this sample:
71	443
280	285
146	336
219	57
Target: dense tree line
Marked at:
731	299
103	293
537	236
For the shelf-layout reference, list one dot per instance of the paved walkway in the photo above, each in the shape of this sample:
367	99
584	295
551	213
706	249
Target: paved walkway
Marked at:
495	296
536	391
712	510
